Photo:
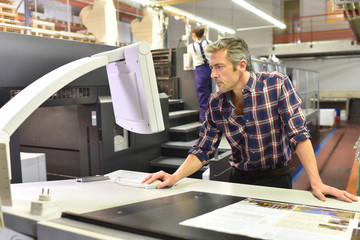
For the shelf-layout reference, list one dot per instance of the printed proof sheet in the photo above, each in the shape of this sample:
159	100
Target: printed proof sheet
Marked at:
274	220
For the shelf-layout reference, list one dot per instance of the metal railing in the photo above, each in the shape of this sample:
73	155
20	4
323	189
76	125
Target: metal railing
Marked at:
306	82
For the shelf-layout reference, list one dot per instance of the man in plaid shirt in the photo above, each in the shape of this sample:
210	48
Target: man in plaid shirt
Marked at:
261	117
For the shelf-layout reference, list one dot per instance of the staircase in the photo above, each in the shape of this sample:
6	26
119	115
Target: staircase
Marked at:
184	127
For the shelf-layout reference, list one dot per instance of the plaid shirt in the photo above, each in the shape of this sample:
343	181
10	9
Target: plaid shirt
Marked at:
261	139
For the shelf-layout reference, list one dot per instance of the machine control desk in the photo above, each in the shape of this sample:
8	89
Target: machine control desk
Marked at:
95	197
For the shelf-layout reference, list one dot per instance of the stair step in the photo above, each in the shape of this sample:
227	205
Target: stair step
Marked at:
176	105
185	132
181	148
182	113
186	127
165	161
177	148
183	117
171	164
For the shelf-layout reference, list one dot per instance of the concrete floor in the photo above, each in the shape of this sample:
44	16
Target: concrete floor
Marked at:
335	154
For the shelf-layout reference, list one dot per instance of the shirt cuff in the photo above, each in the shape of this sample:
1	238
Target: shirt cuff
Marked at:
298	138
203	157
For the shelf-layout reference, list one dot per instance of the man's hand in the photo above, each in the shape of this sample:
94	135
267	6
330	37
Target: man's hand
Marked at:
306	155
189	166
167	179
322	190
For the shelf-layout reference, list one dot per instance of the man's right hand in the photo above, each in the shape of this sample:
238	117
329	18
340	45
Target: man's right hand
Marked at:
189	166
167	179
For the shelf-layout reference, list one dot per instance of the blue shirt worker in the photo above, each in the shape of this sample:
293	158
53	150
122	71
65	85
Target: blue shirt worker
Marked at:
200	59
261	117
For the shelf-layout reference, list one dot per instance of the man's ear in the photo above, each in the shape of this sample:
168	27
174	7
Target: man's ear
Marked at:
242	64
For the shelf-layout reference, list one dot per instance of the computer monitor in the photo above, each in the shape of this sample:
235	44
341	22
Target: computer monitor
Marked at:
134	90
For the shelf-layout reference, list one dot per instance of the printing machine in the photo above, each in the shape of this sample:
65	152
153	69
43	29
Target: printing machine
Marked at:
75	128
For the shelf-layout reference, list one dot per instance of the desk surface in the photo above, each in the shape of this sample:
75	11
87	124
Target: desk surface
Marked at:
85	197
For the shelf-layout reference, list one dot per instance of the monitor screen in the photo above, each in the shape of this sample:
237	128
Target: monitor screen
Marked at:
134	90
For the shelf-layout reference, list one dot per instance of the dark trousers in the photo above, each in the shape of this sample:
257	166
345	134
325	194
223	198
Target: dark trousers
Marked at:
282	181
203	87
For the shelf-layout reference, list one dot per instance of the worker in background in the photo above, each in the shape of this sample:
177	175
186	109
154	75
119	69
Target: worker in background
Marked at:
261	117
196	53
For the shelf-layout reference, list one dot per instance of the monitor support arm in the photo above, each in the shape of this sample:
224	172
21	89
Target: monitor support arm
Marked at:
19	108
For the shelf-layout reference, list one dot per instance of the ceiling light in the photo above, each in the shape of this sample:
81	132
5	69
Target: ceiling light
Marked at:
260	13
191	17
194	18
255	28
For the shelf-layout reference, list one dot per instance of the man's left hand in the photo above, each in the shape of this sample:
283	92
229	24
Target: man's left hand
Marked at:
322	190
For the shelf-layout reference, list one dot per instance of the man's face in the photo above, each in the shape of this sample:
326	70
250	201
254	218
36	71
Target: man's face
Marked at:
223	71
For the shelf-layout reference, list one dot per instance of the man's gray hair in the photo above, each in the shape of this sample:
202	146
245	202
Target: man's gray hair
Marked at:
236	49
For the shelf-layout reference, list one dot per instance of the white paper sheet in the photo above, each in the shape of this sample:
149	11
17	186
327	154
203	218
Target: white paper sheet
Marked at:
272	220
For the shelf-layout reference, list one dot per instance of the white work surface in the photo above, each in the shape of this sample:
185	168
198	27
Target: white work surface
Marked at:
85	197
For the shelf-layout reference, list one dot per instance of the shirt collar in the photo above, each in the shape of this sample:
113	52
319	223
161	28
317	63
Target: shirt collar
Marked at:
250	86
228	97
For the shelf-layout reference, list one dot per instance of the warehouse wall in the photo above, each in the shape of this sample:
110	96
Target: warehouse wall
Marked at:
311	7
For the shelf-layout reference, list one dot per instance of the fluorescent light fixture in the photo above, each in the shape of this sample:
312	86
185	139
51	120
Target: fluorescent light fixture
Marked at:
199	19
260	13
190	16
254	28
